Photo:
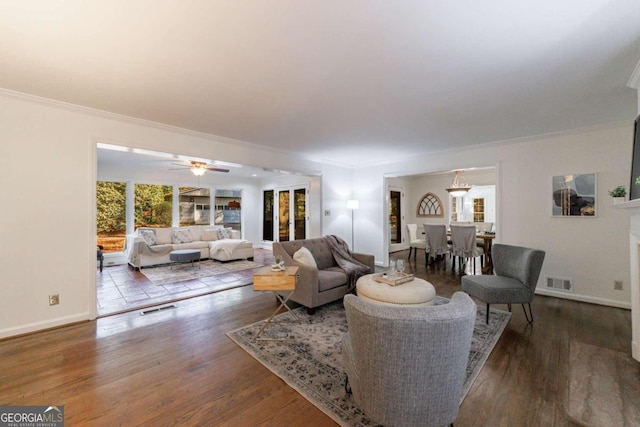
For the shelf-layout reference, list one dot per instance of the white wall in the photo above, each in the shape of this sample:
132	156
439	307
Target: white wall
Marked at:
592	251
48	174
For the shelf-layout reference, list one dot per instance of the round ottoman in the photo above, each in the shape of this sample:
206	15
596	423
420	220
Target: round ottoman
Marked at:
184	256
416	293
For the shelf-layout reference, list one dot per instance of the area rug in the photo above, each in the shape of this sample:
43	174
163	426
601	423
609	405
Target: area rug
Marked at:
164	274
310	358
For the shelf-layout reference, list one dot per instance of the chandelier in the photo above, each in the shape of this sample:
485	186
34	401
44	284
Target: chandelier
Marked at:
459	186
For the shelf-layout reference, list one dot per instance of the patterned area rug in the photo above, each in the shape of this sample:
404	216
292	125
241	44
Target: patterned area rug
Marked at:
310	359
164	274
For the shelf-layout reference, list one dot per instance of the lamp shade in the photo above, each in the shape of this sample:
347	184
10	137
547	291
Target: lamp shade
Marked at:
352	204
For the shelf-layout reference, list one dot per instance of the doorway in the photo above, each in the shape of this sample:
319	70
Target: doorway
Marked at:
396	219
285	213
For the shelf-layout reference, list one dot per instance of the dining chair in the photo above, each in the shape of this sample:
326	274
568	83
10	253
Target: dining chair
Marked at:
414	242
436	237
464	245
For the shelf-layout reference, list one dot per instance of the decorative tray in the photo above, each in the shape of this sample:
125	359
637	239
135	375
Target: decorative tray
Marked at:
393	279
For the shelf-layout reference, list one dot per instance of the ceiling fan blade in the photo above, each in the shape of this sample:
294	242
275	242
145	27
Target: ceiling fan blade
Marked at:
218	170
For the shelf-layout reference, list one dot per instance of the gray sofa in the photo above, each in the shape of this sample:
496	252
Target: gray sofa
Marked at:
322	285
407	366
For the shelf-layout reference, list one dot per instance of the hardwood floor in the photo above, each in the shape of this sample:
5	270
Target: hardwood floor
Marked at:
177	367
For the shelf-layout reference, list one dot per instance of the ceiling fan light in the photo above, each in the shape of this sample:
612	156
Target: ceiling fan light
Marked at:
198	169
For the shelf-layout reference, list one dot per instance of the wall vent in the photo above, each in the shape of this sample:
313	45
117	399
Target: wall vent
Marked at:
563	284
157	309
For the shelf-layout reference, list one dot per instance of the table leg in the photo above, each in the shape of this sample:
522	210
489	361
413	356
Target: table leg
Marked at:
283	302
488	264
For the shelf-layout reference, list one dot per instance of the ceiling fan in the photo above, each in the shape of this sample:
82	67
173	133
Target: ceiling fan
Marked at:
199	168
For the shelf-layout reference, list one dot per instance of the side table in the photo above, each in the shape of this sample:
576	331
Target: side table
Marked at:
266	279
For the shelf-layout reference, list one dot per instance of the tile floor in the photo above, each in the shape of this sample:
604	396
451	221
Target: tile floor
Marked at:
121	288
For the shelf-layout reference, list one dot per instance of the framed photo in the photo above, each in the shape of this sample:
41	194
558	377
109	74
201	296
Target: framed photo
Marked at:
574	195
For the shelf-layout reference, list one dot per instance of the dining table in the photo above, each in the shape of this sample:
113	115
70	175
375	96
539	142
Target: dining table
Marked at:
487	238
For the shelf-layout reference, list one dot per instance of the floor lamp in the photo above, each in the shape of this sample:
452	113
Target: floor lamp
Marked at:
352	205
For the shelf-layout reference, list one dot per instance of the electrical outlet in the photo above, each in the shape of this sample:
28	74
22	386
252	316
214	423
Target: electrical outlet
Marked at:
617	285
54	299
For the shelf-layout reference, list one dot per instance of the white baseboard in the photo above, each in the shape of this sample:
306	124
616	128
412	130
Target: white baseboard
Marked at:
584	298
39	326
635	351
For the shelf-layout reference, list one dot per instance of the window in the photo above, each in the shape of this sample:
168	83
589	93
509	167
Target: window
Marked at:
454	209
478	210
195	206
152	205
111	221
229	208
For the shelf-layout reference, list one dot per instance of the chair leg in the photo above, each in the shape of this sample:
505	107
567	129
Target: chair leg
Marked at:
347	386
530	316
509	306
487	313
410	249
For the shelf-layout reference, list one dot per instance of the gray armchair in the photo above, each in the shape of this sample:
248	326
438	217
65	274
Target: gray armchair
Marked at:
324	283
516	269
406	366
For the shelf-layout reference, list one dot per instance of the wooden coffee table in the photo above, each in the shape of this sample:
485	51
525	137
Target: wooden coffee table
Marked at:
266	279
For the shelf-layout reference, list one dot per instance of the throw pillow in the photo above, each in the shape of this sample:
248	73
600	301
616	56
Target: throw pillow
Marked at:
179	236
224	233
210	234
304	256
149	236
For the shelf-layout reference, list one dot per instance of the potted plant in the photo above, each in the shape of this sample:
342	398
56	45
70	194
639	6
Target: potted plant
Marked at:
618	194
278	265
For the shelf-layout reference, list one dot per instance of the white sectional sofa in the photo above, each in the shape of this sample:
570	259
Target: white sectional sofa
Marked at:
151	246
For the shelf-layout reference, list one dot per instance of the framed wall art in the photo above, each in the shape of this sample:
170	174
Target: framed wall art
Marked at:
574	195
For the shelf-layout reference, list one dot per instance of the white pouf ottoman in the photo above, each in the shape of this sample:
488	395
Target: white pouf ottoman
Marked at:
416	293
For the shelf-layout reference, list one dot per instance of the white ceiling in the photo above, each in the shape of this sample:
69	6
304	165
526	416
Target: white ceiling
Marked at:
326	78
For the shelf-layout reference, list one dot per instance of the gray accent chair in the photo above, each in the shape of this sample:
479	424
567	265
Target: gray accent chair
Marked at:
322	285
516	272
407	366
